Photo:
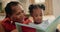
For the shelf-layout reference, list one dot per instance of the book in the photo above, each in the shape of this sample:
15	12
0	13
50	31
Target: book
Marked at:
27	28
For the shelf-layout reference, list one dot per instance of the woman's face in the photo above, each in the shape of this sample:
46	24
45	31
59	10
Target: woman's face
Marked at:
18	14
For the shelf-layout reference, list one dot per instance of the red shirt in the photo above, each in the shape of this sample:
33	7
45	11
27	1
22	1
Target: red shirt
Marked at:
28	29
8	26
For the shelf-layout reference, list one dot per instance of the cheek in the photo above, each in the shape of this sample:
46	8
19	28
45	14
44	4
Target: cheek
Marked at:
40	18
19	17
35	18
14	17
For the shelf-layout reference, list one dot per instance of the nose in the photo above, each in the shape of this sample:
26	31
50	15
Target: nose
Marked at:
23	15
40	17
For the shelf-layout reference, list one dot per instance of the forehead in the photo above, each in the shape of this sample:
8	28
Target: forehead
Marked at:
37	11
17	7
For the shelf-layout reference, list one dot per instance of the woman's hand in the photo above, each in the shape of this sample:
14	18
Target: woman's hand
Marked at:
15	30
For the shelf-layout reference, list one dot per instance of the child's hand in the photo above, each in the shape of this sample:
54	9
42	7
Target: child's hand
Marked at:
58	27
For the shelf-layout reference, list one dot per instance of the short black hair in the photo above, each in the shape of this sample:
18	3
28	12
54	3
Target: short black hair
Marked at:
34	6
8	7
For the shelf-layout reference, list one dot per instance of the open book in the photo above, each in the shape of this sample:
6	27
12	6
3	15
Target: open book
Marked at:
51	28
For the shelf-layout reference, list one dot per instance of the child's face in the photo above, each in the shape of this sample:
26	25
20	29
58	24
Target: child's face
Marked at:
18	14
37	15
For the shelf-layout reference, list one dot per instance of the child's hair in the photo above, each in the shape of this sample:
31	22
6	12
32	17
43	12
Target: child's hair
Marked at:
32	6
8	7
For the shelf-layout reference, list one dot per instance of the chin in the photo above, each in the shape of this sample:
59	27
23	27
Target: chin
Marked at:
37	22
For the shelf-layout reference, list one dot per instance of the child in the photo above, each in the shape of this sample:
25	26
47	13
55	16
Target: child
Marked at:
14	13
36	11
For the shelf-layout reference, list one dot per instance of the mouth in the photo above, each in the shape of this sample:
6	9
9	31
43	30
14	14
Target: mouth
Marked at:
38	22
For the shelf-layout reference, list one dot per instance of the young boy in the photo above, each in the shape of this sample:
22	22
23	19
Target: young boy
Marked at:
14	13
36	11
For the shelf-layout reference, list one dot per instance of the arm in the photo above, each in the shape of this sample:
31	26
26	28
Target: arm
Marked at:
15	30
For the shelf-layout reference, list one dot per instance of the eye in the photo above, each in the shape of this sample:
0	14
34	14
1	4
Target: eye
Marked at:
22	11
40	15
36	15
18	13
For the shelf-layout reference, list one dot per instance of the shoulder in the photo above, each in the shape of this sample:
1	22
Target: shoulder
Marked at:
4	22
6	19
